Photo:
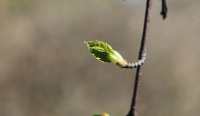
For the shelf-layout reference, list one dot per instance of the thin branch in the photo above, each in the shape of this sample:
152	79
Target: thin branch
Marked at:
140	62
164	9
132	111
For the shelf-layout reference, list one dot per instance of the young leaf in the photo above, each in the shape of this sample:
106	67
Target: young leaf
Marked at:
102	51
103	114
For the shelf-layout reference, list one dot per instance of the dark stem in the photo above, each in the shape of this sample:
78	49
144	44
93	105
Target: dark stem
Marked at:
164	9
132	111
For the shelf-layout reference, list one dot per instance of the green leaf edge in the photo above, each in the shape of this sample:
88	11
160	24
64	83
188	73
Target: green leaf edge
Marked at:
105	52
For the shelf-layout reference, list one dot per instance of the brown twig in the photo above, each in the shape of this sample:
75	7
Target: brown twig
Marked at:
132	111
164	9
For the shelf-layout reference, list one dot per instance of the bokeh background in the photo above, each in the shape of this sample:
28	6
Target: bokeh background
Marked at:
46	70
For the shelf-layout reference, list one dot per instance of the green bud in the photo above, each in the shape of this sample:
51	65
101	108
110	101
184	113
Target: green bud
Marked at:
103	114
102	51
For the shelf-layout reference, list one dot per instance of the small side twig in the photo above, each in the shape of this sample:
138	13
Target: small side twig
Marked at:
164	9
136	64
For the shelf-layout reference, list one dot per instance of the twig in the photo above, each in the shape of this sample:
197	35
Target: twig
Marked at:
140	62
132	111
164	9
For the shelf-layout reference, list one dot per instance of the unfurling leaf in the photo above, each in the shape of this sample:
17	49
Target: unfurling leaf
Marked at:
102	114
102	51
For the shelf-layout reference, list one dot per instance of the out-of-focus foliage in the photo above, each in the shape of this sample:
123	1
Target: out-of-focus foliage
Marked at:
20	6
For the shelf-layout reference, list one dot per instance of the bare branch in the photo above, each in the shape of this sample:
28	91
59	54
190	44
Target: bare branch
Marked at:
132	111
164	9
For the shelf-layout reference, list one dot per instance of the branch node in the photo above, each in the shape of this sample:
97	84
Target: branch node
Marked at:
136	64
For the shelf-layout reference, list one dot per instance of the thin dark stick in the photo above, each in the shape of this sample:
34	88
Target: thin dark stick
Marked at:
132	111
164	9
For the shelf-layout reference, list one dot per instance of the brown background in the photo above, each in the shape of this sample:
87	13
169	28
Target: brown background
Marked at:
46	70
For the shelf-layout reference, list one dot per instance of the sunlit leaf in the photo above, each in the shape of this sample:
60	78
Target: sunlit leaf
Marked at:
102	114
102	51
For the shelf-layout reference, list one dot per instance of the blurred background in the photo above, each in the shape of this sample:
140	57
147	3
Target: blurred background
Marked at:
46	70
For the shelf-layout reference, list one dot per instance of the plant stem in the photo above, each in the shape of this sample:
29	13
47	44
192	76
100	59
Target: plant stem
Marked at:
132	111
164	9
